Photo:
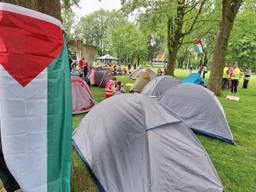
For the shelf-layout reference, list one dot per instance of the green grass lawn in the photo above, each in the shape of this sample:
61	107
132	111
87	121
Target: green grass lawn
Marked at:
236	165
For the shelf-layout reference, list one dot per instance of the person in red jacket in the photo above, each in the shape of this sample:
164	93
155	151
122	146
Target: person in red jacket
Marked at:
110	88
82	66
82	63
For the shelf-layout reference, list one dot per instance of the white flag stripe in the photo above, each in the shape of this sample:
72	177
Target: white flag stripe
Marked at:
23	112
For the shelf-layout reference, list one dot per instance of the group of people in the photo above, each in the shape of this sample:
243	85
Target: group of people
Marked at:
117	70
231	77
112	87
81	69
130	66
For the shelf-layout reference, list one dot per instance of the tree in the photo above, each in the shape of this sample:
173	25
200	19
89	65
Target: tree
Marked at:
99	22
126	41
68	17
242	43
179	17
230	9
176	29
243	51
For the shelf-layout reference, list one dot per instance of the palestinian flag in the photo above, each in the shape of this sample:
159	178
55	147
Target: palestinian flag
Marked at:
35	100
198	46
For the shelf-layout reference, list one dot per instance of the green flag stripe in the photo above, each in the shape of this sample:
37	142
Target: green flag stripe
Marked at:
59	125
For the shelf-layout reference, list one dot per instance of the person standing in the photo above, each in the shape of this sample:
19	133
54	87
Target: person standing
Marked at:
235	76
190	68
247	76
86	70
230	71
82	64
204	71
225	78
200	69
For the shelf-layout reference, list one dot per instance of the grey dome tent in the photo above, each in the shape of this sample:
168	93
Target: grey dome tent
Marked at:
159	85
100	77
136	74
132	144
200	110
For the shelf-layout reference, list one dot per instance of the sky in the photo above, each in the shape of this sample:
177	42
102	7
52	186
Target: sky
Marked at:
89	6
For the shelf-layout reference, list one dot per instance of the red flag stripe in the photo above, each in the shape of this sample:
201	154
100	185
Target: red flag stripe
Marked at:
27	45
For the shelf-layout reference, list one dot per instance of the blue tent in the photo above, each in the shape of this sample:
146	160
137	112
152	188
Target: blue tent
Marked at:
194	78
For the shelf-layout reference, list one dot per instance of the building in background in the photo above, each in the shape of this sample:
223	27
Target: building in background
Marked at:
78	50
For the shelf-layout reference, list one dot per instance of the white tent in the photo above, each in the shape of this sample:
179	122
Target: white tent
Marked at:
108	58
159	85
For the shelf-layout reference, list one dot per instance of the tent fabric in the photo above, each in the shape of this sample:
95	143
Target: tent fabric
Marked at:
142	147
200	110
194	78
108	57
143	79
136	74
99	78
82	99
159	85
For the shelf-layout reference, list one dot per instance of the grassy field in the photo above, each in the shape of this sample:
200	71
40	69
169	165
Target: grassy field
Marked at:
236	165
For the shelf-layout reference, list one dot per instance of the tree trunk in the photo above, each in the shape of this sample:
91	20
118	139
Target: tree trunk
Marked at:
138	61
49	7
229	11
172	56
174	30
172	45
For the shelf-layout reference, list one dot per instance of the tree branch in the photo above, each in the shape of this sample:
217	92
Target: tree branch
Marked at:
188	42
195	19
191	8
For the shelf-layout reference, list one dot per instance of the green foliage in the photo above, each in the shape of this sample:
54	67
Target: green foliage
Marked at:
112	33
152	18
242	47
66	4
243	51
153	21
68	17
94	27
127	42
